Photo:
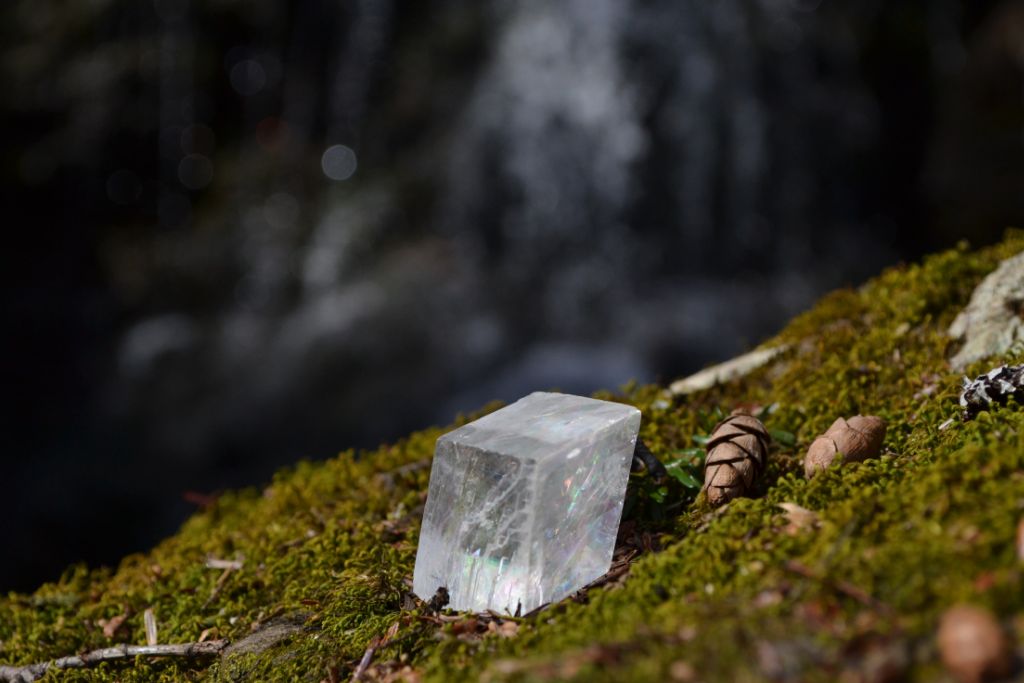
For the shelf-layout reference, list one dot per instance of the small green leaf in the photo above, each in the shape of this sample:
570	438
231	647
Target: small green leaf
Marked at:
659	494
688	457
783	437
677	471
700	439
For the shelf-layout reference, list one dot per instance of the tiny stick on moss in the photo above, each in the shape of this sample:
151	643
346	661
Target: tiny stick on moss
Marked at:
33	672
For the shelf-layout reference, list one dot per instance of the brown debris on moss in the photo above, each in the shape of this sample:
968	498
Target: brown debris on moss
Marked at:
798	518
972	644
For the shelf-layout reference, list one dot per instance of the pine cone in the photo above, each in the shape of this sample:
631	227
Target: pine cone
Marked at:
737	454
858	438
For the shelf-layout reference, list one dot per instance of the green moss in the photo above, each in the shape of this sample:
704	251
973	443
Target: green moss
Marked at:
329	547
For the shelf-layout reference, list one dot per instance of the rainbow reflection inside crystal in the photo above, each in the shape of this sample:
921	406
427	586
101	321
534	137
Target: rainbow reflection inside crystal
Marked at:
524	504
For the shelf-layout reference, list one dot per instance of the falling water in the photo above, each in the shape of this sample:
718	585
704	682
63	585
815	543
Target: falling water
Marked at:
324	224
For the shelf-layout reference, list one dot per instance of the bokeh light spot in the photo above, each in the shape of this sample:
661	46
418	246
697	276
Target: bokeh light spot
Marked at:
248	77
195	171
338	162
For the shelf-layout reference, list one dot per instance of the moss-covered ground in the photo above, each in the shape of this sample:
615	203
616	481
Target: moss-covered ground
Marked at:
327	549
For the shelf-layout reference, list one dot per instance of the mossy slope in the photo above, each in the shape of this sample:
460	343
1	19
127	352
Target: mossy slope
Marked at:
730	595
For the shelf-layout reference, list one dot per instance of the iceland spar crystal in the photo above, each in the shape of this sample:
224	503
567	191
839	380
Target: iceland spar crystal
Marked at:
524	504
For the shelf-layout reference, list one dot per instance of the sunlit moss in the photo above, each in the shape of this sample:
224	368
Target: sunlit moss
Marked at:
330	546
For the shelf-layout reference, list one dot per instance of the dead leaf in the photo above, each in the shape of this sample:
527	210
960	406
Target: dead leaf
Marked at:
798	518
111	625
406	674
506	629
681	671
768	598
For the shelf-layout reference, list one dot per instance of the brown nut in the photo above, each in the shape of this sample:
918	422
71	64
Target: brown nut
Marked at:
972	645
737	453
858	438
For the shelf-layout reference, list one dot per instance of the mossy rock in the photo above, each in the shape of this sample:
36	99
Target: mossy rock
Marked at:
327	549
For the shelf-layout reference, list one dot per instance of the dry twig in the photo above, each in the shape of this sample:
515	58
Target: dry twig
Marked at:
217	563
33	672
644	459
375	643
364	663
217	587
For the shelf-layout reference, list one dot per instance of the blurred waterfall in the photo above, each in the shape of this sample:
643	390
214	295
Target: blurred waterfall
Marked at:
276	230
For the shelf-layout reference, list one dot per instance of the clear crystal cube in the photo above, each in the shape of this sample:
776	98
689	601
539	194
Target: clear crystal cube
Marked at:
524	504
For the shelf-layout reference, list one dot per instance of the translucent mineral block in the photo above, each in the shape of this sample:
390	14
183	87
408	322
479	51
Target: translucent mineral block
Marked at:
524	504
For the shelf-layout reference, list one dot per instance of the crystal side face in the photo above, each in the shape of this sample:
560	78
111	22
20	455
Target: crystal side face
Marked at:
524	504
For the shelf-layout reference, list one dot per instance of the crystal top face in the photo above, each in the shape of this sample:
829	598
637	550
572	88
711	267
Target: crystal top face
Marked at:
524	504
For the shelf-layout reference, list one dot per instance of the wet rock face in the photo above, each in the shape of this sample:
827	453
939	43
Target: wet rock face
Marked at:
993	321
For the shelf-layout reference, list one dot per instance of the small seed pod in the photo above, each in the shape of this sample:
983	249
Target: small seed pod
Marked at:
858	438
737	454
972	644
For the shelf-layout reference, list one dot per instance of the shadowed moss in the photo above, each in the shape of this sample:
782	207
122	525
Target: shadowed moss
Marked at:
329	547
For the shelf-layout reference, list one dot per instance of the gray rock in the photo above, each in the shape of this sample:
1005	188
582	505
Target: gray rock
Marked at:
993	321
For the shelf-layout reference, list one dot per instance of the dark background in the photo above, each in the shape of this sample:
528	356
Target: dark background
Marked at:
244	232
